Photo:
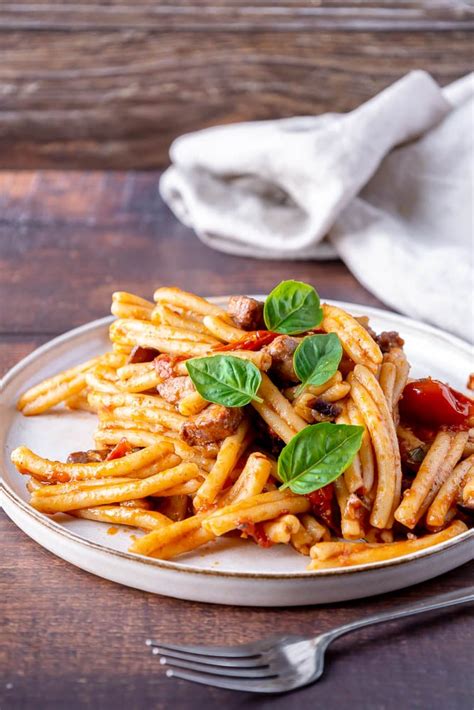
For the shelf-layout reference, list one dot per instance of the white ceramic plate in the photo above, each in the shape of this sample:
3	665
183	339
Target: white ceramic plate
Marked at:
229	571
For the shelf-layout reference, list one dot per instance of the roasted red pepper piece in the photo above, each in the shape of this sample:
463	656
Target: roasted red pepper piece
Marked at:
123	448
140	354
253	341
432	404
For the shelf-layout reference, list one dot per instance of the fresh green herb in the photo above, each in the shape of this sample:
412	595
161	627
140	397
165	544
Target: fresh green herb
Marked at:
292	307
225	379
317	358
317	455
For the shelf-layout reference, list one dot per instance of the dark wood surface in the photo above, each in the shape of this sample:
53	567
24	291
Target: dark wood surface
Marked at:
88	234
110	84
72	640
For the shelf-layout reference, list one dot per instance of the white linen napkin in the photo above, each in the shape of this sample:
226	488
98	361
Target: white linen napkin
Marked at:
313	186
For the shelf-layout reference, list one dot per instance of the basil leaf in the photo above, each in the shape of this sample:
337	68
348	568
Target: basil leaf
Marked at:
292	307
317	455
317	358
225	379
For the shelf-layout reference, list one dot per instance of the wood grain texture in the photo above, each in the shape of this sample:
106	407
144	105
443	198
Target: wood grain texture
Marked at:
73	640
110	84
68	240
235	16
14	348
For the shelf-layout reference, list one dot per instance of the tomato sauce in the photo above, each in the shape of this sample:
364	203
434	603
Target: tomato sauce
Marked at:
429	404
322	504
256	531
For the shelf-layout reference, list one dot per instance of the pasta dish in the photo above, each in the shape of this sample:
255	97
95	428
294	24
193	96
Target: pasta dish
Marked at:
285	422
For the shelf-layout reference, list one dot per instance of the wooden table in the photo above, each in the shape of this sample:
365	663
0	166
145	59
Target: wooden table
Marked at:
69	639
109	83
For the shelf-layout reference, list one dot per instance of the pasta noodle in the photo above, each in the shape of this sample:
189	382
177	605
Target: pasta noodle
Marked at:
119	515
443	455
165	316
115	492
366	453
225	462
355	339
222	330
256	509
369	381
353	474
343	554
386	464
447	494
350	507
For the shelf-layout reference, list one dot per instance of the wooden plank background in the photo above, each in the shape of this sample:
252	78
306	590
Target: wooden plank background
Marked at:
110	84
69	239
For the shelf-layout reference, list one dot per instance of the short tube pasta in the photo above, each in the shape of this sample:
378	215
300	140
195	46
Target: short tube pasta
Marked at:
119	515
356	341
353	474
350	508
251	481
441	458
273	397
264	506
282	529
115	492
163	315
274	421
225	462
222	330
192	404
448	493
366	453
175	297
343	554
385	495
370	383
28	462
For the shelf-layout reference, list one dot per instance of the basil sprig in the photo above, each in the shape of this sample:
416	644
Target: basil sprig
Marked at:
317	358
317	455
292	307
225	379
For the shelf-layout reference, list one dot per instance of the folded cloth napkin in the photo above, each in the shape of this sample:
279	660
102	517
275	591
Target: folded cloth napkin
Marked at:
387	187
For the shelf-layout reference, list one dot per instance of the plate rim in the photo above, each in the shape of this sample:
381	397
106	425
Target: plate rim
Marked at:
58	529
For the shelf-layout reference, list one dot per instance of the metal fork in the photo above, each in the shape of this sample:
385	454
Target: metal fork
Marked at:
279	663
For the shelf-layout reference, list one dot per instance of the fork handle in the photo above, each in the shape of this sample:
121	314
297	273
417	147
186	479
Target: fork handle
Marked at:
439	601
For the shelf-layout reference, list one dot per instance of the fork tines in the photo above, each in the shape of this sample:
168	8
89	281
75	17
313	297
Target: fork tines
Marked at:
237	668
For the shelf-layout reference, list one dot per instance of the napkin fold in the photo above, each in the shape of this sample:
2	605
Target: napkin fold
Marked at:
387	187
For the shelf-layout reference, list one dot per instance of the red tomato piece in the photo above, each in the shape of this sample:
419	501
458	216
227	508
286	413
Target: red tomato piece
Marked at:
256	531
322	504
432	404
